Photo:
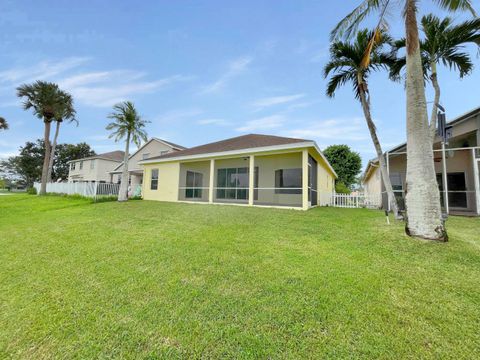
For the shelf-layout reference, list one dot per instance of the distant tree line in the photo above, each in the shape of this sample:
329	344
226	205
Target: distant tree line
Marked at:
27	165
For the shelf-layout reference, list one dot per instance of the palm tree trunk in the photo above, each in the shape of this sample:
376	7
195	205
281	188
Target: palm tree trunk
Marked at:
46	158
52	153
436	87
123	191
424	216
378	148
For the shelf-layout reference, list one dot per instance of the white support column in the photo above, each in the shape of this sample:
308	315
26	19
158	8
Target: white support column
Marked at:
305	179
476	181
211	181
445	183
251	179
389	201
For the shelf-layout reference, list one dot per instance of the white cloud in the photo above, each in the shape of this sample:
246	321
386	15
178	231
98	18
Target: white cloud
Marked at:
41	71
264	123
177	115
276	100
100	93
333	129
220	122
235	68
95	88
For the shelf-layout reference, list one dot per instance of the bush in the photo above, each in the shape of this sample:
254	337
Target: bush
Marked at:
32	191
341	188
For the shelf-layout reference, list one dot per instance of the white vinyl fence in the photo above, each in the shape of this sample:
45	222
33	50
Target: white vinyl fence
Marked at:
81	188
356	201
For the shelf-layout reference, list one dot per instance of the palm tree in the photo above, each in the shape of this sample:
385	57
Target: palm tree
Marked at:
424	215
444	43
3	124
43	98
127	124
347	65
65	111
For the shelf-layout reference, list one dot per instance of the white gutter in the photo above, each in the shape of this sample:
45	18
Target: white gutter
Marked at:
242	152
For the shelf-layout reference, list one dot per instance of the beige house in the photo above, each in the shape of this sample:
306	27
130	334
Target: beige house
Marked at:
459	187
94	168
253	169
152	148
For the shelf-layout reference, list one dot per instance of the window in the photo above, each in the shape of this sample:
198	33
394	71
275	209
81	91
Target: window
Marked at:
457	189
232	183
154	180
288	181
396	180
72	166
194	183
81	165
145	156
92	164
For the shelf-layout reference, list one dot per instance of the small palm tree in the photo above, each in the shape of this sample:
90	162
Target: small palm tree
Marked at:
348	66
130	126
64	111
443	43
3	124
43	98
422	201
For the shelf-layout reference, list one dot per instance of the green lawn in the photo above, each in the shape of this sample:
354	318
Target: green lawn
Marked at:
158	280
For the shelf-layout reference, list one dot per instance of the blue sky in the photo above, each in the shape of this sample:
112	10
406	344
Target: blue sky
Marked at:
200	71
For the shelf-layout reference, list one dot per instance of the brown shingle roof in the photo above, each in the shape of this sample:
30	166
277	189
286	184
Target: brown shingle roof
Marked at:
116	155
236	143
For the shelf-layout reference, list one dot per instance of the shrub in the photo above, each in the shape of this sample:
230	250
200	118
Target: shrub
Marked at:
341	188
32	191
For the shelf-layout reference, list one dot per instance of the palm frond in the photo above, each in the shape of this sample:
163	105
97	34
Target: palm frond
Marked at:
455	5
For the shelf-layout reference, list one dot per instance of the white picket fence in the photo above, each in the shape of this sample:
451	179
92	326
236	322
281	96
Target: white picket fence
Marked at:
81	188
356	201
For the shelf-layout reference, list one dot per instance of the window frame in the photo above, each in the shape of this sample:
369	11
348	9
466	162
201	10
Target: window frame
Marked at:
281	188
195	190
154	180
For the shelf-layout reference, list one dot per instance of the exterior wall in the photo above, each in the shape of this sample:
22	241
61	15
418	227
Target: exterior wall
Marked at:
373	187
172	177
325	180
100	172
153	148
168	180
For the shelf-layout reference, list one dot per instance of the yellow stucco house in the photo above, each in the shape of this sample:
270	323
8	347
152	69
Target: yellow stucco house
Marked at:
254	170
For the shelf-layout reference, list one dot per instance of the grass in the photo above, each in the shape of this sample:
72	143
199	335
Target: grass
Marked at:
159	280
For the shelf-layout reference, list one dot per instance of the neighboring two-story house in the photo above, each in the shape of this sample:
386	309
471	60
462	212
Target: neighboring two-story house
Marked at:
94	168
153	147
462	165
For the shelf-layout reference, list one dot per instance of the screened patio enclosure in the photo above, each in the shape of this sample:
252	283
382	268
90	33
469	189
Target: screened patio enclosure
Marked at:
268	180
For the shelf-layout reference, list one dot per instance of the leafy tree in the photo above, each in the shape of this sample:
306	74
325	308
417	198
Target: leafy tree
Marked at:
27	165
346	163
3	124
424	215
443	44
64	111
44	98
341	188
348	65
130	126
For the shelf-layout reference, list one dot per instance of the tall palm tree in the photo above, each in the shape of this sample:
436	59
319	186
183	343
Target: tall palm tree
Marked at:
64	111
130	126
347	65
3	124
424	215
444	43
43	98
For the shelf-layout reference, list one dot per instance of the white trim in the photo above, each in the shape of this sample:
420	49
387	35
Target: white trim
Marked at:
299	145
